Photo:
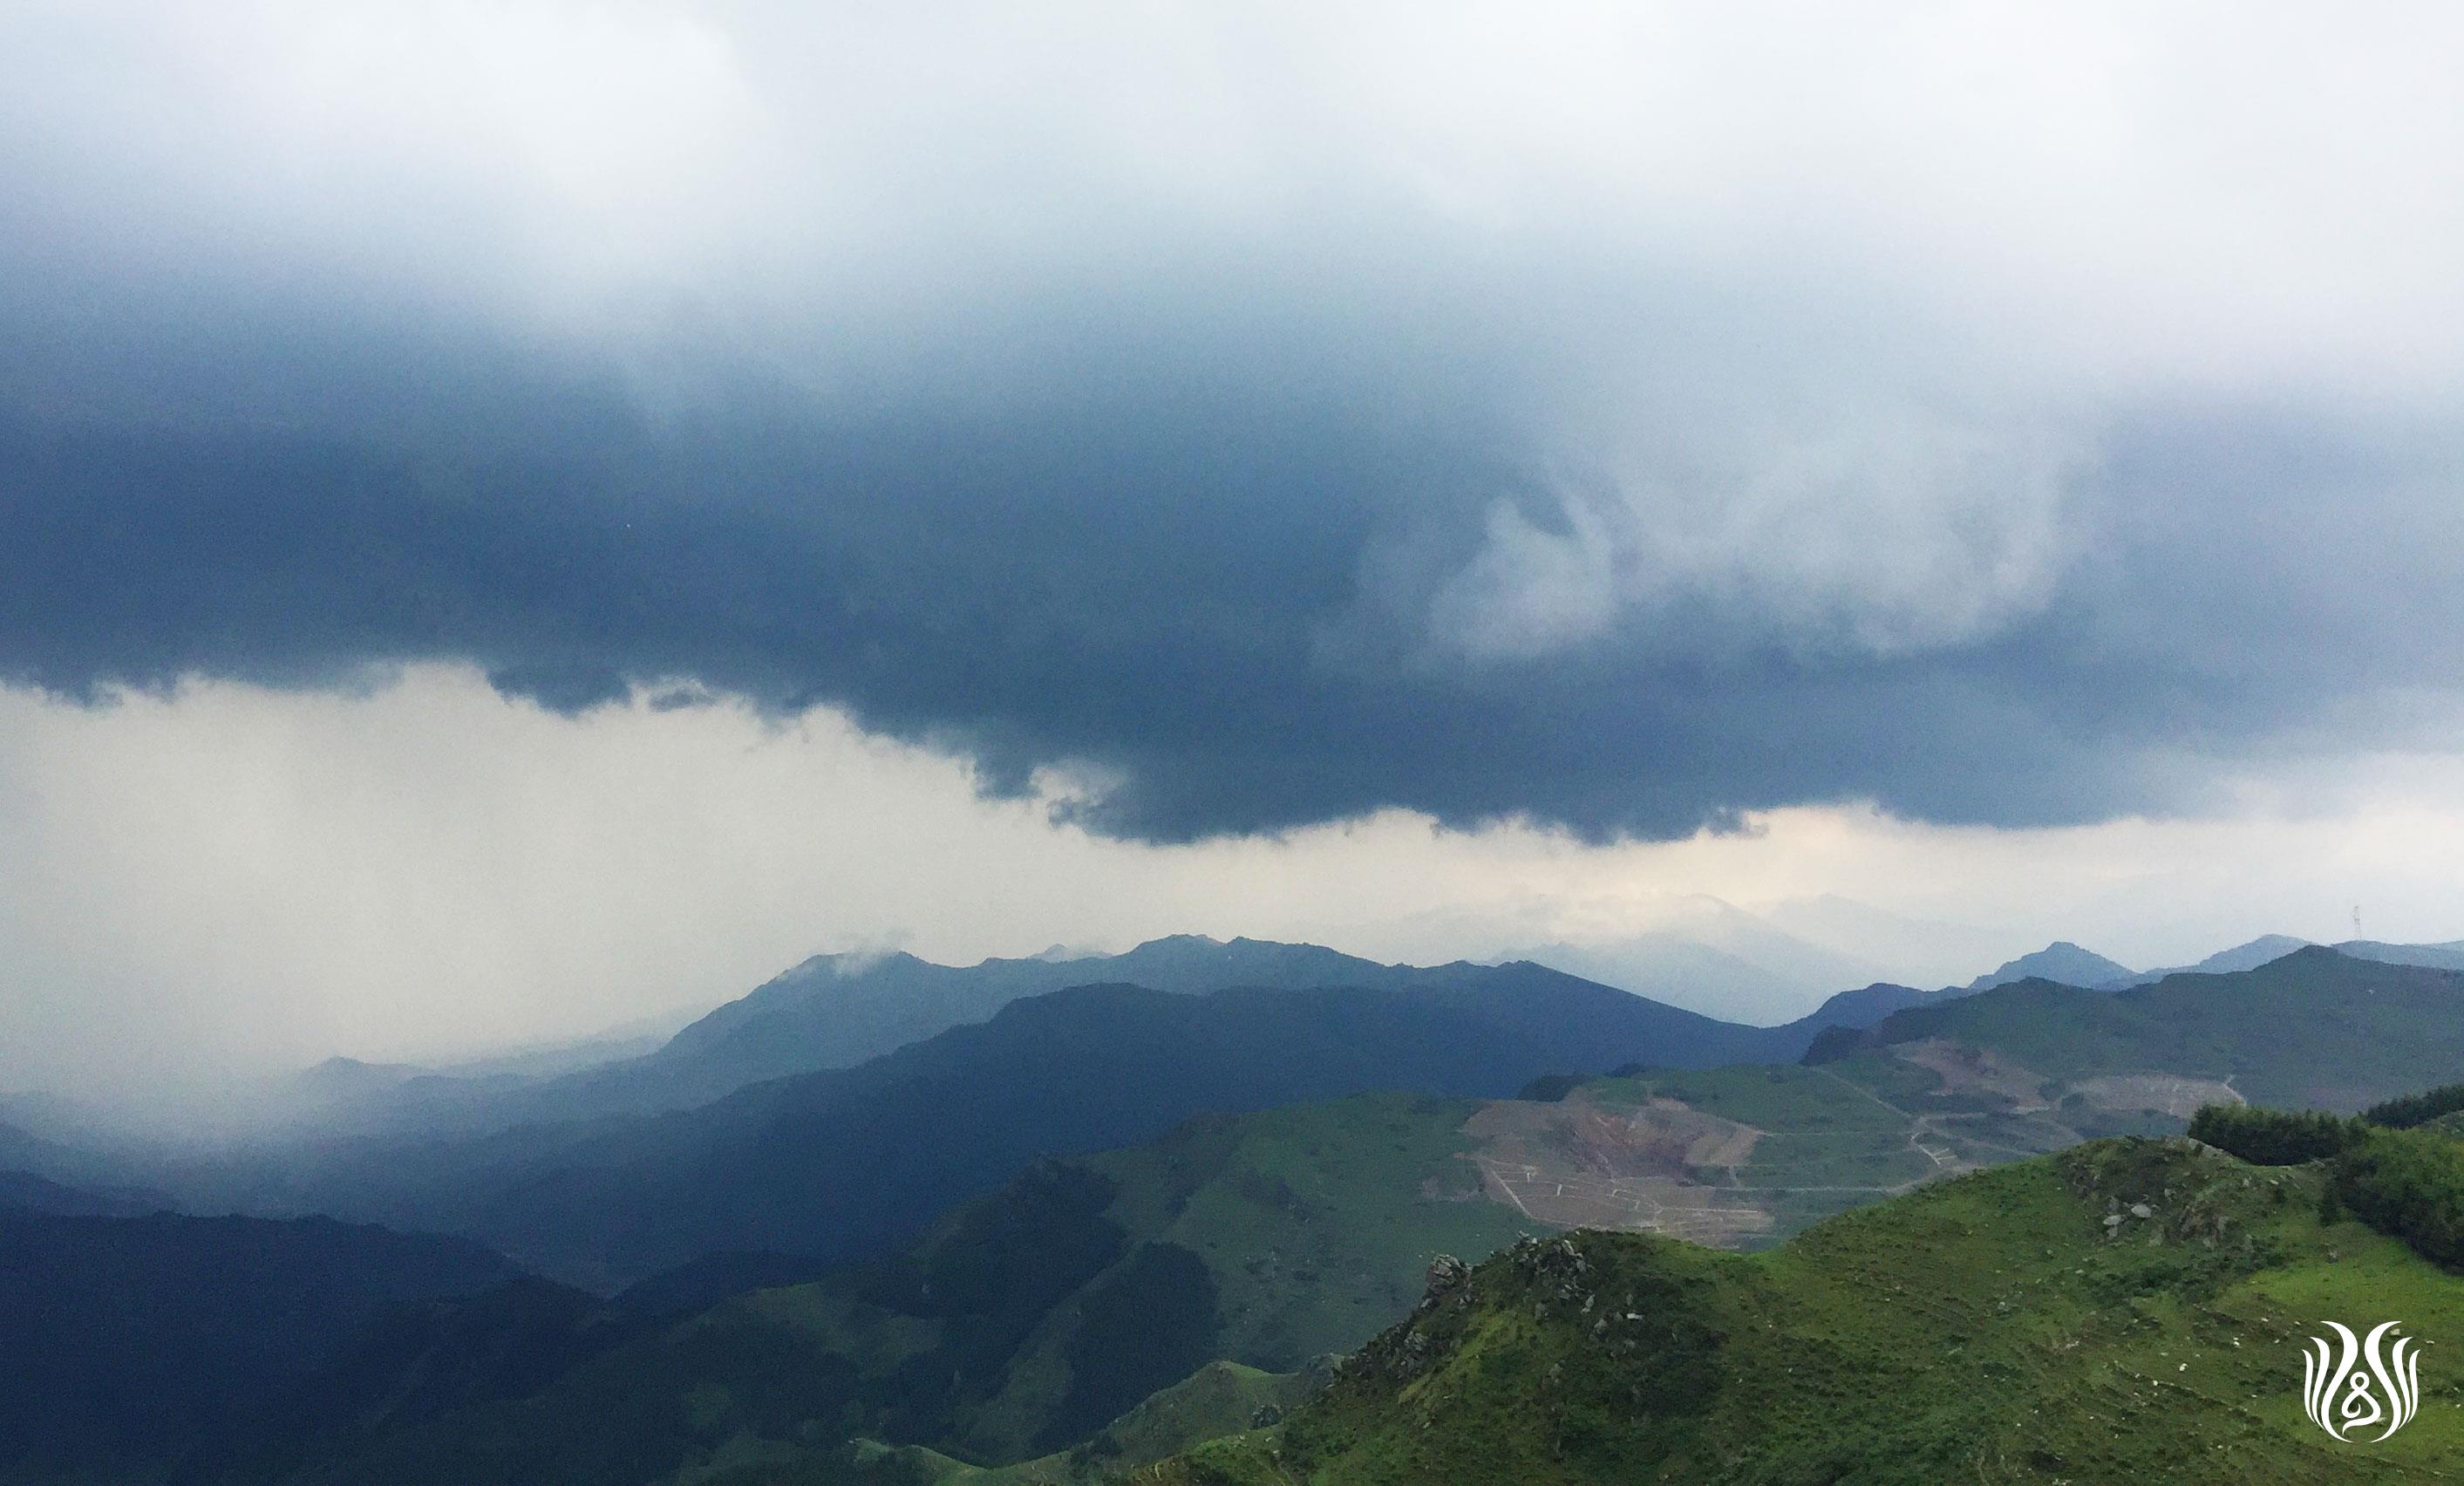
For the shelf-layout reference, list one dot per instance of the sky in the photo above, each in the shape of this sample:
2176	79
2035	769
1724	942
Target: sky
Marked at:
519	516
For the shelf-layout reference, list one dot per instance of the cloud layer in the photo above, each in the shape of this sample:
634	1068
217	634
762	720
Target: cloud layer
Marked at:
1619	418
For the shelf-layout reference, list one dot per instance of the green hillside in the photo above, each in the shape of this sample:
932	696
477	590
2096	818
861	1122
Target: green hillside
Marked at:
1021	1325
2315	1028
2022	1323
1025	1324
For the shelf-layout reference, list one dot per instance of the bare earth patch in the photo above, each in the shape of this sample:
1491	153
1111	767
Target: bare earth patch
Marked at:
1967	1070
2171	1094
1576	1164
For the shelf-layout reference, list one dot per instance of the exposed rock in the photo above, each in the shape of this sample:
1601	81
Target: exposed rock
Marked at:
1411	1356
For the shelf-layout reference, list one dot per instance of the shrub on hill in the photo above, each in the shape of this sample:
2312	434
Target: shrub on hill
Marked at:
2405	1182
2418	1109
1550	1088
2410	1185
1832	1044
2274	1136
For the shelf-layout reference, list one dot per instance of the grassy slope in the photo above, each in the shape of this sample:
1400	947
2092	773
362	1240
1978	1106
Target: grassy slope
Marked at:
1979	1329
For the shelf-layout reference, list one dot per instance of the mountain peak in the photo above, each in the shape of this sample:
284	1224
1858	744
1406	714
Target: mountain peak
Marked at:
2249	956
2062	961
1172	941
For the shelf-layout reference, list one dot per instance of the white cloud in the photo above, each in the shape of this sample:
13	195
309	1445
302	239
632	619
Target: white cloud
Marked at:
2210	191
1868	531
1531	590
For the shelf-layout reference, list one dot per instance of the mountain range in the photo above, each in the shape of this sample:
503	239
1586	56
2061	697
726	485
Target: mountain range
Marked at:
1105	1215
835	1012
962	1286
838	1162
1023	1324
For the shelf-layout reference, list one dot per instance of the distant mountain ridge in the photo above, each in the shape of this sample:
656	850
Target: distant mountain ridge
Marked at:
2066	964
2060	962
2448	956
2314	1029
837	1011
1867	1005
2240	957
839	1163
834	1011
27	1193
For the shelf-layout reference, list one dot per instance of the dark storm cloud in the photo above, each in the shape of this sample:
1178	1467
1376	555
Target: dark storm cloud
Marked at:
1257	504
1162	575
